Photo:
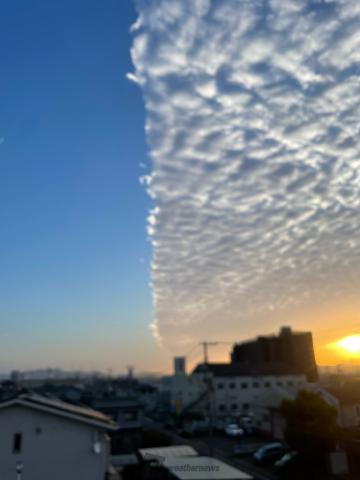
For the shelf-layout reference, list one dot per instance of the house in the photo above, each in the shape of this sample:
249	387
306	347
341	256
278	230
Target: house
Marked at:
49	439
126	410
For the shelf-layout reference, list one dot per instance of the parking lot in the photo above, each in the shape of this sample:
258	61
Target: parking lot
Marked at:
222	447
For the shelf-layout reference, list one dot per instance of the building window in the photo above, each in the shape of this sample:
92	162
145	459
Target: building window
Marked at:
290	383
246	406
279	384
232	385
358	410
220	386
255	384
221	407
234	406
244	385
130	416
267	384
17	443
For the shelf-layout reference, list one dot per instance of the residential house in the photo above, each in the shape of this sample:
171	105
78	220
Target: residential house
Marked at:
47	439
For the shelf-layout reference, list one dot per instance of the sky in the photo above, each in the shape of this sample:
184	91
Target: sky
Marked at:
172	170
74	252
256	181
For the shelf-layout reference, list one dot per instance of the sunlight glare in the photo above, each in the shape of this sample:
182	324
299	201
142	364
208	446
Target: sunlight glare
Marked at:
351	344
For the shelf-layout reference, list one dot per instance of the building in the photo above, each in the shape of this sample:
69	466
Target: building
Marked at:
50	439
182	462
180	389
290	349
267	415
345	397
126	410
236	389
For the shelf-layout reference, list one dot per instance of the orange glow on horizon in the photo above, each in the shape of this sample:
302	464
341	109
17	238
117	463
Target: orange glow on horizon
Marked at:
349	344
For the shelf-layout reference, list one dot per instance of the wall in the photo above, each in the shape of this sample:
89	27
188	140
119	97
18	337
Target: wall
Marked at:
183	389
349	415
234	395
53	448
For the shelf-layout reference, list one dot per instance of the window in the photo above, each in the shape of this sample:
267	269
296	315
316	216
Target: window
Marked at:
234	406
267	384
244	385
221	408
232	385
358	410
255	384
290	383
17	443
279	384
220	386
246	406
130	416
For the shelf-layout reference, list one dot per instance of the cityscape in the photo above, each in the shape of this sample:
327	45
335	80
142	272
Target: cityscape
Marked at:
180	240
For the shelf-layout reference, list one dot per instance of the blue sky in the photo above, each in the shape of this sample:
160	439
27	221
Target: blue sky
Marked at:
73	249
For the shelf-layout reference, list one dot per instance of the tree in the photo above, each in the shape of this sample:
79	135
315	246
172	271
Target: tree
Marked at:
311	424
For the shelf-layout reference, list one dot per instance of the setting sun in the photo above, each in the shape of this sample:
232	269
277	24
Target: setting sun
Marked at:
350	344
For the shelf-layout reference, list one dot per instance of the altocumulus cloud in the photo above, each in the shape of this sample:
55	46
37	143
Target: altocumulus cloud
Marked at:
253	117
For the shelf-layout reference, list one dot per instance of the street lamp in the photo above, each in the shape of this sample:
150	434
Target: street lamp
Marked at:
19	468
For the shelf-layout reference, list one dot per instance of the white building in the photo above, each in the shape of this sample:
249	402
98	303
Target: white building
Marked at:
50	439
181	389
236	390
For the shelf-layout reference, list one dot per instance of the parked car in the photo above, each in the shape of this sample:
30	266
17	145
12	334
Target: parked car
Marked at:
269	453
246	423
245	449
233	430
285	460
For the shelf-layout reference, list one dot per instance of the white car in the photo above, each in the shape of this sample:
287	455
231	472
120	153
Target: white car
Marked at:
233	430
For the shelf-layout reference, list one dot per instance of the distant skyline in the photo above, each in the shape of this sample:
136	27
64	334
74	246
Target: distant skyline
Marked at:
237	212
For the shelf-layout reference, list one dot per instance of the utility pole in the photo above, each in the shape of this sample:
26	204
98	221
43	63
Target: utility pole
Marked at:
209	389
205	346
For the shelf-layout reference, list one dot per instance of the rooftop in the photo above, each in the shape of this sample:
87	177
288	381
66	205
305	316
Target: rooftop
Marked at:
246	370
166	452
203	468
60	408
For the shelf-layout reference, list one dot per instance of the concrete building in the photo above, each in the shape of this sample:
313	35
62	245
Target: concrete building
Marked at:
180	389
50	439
237	389
294	350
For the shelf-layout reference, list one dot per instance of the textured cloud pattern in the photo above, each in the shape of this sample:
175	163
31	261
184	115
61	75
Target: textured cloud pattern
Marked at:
253	118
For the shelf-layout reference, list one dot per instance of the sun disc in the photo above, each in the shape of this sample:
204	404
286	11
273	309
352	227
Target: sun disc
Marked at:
351	344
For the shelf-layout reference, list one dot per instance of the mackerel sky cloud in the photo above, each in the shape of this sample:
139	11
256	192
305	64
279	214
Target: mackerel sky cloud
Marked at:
253	118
